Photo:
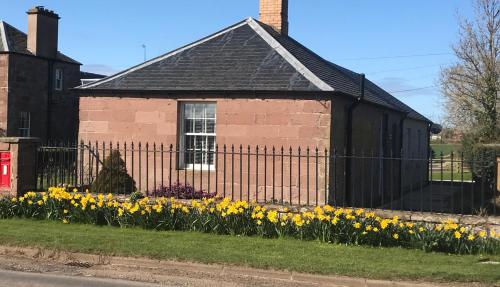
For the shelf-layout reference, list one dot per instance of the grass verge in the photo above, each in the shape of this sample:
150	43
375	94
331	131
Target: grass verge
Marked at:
446	149
457	176
285	254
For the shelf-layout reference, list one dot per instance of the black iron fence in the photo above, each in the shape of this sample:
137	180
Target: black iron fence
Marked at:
298	176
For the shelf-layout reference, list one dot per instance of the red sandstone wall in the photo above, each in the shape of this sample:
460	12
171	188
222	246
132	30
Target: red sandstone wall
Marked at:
239	121
4	77
64	105
27	92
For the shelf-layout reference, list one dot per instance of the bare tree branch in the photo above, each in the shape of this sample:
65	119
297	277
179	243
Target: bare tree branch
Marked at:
471	86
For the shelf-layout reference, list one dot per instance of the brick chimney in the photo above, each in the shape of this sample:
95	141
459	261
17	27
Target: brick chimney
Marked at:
42	32
275	14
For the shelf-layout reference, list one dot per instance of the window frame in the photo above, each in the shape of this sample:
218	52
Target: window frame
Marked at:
24	117
182	138
59	79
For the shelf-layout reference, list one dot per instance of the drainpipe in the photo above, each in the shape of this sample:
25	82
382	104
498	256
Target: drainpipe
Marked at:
428	152
50	88
348	139
401	139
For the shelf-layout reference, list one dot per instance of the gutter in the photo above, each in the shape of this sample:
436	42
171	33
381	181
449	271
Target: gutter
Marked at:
348	139
40	57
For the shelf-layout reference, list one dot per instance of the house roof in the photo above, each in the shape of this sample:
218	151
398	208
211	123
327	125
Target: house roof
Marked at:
247	56
88	75
13	40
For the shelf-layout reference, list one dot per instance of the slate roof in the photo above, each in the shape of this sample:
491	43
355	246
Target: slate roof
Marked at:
248	56
88	75
13	40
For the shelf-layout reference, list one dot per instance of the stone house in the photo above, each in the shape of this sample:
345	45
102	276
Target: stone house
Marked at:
35	81
253	84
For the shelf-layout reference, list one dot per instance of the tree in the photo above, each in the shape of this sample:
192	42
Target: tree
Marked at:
471	86
113	177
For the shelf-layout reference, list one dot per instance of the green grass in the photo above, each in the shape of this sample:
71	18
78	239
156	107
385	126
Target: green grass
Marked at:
289	254
457	176
446	149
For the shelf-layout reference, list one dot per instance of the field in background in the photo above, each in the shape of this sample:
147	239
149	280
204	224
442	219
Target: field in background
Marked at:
446	149
445	169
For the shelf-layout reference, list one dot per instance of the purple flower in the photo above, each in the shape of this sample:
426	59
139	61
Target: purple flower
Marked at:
181	191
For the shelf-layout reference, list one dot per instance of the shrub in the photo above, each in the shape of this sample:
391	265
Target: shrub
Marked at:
181	191
483	162
113	177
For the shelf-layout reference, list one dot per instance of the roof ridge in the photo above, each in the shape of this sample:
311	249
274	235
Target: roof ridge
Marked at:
393	101
3	35
166	55
327	62
288	56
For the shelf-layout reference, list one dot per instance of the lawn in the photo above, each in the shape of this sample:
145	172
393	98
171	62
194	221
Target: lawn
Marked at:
446	149
293	255
457	176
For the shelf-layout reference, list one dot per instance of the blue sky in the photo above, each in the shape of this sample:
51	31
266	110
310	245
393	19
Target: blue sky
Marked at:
400	45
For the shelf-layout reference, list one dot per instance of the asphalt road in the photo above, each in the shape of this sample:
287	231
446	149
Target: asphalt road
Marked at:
22	279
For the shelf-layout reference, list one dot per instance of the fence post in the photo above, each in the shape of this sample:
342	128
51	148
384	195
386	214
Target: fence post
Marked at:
498	174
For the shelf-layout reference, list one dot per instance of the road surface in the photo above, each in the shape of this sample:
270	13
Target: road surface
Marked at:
22	279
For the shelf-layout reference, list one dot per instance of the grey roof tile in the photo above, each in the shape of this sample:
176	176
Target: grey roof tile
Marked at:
17	42
248	56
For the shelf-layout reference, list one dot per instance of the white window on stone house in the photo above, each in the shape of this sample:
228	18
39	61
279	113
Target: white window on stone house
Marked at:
58	85
197	135
24	124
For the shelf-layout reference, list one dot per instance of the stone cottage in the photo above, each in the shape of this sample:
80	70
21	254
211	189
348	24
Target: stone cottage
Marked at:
35	81
253	84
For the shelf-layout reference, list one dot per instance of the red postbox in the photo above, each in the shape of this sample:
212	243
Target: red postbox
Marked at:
4	169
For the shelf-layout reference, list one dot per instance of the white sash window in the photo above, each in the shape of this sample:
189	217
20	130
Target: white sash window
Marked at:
197	142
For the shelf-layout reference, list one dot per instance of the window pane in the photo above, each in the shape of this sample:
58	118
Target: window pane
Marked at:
211	148
188	148
210	111
198	126
198	111
188	111
210	126
188	126
199	142
198	153
211	143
